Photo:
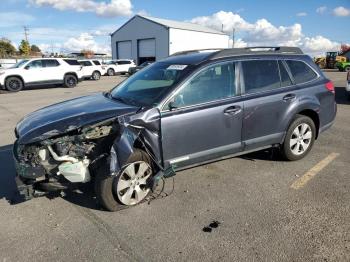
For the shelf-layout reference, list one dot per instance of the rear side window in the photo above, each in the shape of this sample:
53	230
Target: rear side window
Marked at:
97	62
71	62
260	75
285	79
301	72
124	62
50	63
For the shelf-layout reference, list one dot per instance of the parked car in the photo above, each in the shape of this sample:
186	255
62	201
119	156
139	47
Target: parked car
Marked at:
347	87
41	71
134	69
120	66
92	69
343	66
183	111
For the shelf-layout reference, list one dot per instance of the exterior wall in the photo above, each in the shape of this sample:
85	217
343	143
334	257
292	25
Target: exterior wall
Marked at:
137	29
182	40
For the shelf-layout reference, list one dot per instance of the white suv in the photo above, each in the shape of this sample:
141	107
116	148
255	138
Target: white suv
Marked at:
120	66
41	71
92	69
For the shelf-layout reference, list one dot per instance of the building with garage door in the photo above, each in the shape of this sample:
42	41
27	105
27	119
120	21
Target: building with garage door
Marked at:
144	38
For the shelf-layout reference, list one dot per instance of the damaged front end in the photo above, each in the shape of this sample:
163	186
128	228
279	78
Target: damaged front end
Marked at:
58	162
55	163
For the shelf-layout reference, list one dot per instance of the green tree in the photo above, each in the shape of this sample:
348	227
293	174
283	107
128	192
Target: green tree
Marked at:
6	48
35	49
24	48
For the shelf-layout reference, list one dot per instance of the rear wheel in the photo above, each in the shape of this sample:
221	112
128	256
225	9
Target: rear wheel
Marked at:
96	75
14	84
129	187
347	69
70	81
299	139
110	72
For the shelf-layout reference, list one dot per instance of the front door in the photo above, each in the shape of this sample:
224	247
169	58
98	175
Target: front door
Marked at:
203	120
33	72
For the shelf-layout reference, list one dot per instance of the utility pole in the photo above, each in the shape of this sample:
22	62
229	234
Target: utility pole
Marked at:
233	37
26	30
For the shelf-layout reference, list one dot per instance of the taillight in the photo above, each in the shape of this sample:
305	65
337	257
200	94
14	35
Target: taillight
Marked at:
330	86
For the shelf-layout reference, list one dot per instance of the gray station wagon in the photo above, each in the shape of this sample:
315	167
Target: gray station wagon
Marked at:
191	108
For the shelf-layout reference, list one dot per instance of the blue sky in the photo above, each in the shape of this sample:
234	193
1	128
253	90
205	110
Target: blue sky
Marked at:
70	25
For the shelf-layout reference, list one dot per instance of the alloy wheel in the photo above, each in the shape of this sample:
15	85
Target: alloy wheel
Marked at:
300	139
131	186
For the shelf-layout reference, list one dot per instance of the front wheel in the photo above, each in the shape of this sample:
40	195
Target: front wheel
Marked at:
110	72
13	84
299	139
129	187
70	81
347	69
96	75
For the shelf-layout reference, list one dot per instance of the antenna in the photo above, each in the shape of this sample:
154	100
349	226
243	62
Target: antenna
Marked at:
26	30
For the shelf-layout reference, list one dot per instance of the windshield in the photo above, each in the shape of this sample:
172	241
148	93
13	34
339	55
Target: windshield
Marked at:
149	84
19	64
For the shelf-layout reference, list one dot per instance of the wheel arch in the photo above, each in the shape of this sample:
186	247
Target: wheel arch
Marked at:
18	76
71	73
310	107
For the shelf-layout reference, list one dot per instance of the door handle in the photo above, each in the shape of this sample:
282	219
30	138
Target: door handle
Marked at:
232	110
289	97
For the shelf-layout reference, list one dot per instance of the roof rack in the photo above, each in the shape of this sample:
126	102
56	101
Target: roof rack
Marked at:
197	51
257	50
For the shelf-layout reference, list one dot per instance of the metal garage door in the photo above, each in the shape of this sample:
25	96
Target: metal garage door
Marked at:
124	50
147	48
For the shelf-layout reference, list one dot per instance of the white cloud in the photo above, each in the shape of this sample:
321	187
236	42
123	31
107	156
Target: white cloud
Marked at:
319	44
11	19
321	9
85	41
341	11
111	8
301	14
264	33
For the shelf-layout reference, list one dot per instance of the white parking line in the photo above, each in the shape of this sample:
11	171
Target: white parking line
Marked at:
302	181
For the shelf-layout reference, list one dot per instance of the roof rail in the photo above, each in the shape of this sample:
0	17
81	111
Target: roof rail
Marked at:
197	51
257	50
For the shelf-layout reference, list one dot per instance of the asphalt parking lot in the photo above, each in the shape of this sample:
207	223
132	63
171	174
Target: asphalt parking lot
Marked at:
261	214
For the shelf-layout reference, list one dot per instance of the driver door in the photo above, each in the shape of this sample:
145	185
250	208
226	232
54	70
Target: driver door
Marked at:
33	72
203	119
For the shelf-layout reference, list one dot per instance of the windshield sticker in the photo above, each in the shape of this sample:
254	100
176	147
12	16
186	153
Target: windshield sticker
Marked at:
177	67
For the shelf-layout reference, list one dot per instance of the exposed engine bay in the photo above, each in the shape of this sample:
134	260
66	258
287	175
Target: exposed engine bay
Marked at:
70	156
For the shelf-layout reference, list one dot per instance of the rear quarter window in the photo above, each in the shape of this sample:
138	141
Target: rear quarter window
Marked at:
301	72
97	62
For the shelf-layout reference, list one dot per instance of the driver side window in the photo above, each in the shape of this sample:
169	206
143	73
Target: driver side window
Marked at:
35	64
213	83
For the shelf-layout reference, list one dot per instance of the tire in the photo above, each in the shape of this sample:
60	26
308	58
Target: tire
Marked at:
70	81
347	69
96	75
14	84
110	72
108	189
296	147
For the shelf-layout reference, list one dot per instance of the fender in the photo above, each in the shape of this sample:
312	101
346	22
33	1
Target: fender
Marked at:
142	129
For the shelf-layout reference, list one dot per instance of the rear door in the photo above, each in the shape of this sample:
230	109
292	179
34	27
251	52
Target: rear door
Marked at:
51	69
203	119
268	94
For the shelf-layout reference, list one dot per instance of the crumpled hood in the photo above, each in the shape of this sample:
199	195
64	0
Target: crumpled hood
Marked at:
69	115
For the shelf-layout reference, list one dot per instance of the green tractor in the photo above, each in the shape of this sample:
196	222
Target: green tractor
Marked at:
343	66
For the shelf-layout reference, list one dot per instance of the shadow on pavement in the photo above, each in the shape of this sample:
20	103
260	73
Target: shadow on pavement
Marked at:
8	188
341	96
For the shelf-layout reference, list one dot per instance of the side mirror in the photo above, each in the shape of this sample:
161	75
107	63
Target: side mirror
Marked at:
27	67
172	106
